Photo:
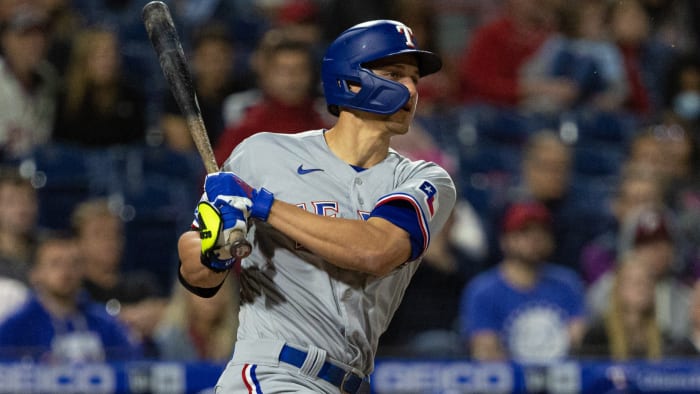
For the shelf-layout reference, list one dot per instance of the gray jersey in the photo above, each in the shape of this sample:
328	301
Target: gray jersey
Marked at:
290	294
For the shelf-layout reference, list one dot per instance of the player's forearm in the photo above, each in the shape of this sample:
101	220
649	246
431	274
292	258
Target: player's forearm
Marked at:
375	246
195	273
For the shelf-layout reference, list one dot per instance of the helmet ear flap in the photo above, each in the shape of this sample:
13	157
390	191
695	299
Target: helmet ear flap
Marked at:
380	95
375	94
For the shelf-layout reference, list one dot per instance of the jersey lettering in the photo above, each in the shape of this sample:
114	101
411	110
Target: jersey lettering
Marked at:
408	33
326	208
321	208
364	215
297	245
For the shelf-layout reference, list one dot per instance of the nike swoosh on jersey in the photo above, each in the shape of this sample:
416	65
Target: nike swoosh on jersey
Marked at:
301	170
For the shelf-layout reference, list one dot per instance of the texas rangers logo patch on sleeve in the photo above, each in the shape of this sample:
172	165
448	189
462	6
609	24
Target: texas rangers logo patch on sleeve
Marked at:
430	191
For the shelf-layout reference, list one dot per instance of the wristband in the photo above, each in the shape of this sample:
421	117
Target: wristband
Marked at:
211	261
204	292
262	203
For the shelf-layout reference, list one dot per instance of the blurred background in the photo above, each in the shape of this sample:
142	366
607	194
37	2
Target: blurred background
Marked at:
571	129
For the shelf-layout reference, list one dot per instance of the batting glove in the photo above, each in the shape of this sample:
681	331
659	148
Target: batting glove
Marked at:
223	185
217	222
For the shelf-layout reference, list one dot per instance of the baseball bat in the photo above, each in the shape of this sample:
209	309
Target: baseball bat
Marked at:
166	43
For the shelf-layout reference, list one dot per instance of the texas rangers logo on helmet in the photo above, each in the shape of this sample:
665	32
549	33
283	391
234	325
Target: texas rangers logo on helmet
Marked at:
408	33
430	191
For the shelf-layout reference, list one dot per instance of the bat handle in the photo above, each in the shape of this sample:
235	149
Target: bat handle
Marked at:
240	247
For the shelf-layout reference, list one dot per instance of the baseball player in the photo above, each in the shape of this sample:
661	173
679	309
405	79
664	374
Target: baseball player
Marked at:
338	223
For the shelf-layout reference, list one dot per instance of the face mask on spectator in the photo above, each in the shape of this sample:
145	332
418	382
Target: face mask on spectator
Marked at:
687	105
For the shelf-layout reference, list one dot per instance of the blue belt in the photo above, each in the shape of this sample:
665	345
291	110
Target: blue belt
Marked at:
347	381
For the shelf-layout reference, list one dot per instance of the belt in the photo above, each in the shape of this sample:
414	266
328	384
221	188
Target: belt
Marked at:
347	381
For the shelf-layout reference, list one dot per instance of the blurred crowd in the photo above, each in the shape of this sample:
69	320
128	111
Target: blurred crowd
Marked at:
571	129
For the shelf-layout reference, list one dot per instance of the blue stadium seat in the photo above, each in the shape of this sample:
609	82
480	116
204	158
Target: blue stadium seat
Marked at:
593	193
65	175
497	125
601	160
443	127
603	127
159	210
490	158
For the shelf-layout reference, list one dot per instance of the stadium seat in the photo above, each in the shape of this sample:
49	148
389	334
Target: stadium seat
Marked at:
65	176
158	210
490	158
601	160
496	125
603	127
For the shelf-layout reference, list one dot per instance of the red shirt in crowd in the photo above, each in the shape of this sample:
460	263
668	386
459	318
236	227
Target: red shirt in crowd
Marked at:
489	71
268	115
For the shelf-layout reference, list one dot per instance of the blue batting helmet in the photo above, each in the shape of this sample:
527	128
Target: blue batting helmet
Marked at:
363	43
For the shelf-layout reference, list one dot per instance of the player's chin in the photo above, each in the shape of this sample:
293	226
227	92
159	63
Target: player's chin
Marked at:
404	121
400	128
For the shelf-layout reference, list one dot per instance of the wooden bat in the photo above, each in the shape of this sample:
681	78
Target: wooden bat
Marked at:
166	43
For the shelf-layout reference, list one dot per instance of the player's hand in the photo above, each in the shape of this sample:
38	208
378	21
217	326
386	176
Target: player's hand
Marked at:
225	185
217	223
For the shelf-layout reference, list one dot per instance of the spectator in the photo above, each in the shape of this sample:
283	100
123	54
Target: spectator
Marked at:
524	309
64	22
679	153
646	151
28	83
666	149
644	58
19	213
581	53
13	294
682	91
301	19
671	22
213	60
689	346
286	98
671	150
58	324
18	233
425	324
196	328
638	186
338	15
98	108
134	296
246	20
546	174
651	234
628	328
490	71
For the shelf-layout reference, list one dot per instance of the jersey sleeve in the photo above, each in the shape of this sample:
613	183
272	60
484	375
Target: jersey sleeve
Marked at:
421	205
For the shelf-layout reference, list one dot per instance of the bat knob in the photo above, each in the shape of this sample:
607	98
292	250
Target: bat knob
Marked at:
241	248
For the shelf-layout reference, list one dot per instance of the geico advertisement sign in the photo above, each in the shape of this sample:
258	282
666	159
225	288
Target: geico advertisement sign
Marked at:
29	378
93	378
392	377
